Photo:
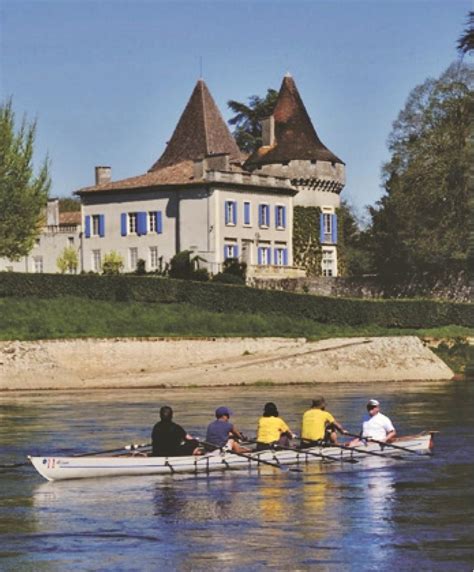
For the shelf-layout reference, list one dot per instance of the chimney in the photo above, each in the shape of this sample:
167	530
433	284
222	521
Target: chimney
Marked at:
103	175
217	162
199	169
52	212
268	131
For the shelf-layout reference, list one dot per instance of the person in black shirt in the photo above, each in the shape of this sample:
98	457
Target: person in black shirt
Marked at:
169	439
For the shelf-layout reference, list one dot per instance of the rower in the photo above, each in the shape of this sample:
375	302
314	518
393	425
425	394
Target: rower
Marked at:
376	425
170	440
222	433
319	426
272	429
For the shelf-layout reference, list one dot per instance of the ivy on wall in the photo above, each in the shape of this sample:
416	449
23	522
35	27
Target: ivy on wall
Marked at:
306	244
341	246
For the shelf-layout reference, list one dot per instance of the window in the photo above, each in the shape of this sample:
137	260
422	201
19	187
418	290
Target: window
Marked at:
230	212
95	225
231	251
280	216
96	261
152	221
133	258
264	255
70	240
328	262
38	264
153	257
247	213
264	215
328	224
132	223
281	257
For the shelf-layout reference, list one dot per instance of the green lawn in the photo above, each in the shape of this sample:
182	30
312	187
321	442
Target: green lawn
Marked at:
32	319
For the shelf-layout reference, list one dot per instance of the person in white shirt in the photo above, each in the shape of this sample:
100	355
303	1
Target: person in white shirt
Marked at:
376	425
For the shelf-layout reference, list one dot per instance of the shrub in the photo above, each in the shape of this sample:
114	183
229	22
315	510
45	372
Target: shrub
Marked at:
112	263
416	313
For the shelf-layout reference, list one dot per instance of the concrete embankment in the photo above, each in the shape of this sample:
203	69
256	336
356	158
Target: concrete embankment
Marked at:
108	363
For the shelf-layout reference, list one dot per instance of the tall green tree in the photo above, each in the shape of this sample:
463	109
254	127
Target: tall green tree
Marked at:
246	121
466	41
23	195
421	223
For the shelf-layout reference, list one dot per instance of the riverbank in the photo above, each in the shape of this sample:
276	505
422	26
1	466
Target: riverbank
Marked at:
178	362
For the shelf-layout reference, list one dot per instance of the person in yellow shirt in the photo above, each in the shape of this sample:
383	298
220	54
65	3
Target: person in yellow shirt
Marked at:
272	430
319	426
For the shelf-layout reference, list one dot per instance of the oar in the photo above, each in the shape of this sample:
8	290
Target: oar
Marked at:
347	448
384	444
250	458
311	453
131	447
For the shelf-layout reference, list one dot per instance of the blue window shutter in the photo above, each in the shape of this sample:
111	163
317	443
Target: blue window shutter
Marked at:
275	256
267	208
101	225
283	216
285	256
269	256
334	229
87	230
141	223
123	224
234	212
236	251
276	216
159	222
226	213
260	255
225	252
246	213
260	215
321	223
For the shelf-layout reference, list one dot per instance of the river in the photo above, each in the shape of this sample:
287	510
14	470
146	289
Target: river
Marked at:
414	514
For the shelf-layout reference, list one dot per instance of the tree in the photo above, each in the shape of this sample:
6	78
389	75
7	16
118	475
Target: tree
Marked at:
69	204
68	261
248	130
185	267
23	196
112	263
466	41
421	223
354	249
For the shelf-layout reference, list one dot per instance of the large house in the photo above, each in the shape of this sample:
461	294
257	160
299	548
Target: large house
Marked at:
204	196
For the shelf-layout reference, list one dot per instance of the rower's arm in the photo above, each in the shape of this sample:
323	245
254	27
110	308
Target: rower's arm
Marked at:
390	436
339	427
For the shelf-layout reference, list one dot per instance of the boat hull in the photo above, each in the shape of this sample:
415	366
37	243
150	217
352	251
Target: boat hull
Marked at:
56	468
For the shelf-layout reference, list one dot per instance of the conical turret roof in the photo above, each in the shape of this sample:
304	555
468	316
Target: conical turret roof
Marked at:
201	131
295	136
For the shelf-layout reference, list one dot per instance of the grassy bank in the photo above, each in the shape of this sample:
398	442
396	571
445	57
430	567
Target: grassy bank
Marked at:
71	317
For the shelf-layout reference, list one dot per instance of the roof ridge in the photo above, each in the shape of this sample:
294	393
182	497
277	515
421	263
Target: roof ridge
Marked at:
204	117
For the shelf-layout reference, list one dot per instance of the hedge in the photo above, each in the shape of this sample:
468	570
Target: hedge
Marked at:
215	297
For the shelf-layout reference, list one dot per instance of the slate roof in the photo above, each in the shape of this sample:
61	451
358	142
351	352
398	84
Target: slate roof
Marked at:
295	136
201	131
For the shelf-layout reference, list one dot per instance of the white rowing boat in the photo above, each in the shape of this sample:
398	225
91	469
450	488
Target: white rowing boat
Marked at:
56	468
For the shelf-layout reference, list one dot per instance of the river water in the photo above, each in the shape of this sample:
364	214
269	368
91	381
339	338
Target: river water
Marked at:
415	514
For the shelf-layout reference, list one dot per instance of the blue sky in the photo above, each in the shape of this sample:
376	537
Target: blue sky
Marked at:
108	80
